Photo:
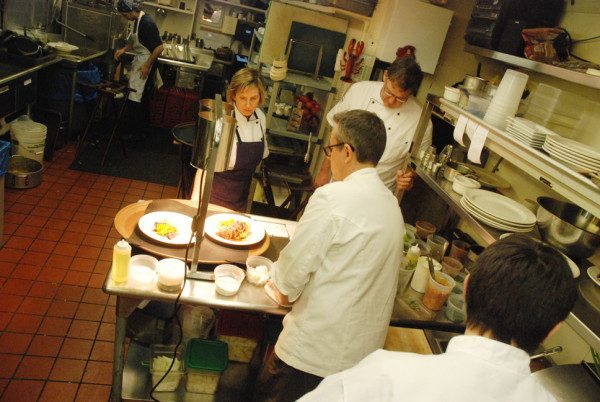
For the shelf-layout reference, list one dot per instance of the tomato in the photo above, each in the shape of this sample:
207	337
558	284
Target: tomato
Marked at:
311	104
303	99
316	108
306	113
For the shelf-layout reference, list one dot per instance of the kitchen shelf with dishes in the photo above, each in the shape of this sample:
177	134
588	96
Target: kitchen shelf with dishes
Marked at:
170	18
297	84
575	187
238	4
191	11
577	77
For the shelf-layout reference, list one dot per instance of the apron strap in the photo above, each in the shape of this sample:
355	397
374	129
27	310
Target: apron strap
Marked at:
237	133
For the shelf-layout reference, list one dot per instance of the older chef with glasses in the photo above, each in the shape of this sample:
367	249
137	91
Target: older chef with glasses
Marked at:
340	268
394	102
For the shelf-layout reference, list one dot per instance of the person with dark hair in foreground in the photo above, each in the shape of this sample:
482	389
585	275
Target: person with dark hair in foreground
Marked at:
518	293
340	268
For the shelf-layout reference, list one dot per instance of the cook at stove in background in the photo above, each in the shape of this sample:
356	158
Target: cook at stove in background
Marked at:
146	44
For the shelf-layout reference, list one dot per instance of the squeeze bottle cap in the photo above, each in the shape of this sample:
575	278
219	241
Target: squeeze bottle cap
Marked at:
122	244
414	249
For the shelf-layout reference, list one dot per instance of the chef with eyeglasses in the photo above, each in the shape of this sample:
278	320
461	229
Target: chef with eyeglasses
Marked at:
393	100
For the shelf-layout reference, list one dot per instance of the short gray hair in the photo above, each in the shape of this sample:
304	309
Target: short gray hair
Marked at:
406	74
364	131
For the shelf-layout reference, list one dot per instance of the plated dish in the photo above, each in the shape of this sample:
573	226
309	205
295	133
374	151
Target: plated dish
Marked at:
594	274
167	227
234	229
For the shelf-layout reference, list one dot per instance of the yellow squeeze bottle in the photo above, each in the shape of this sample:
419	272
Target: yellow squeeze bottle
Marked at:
120	263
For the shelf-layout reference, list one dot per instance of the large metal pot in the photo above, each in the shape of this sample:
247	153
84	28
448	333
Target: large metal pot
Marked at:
23	172
474	84
452	169
569	382
569	228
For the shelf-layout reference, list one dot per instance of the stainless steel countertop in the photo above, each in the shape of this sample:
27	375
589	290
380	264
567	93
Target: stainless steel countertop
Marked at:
13	72
184	64
81	55
10	72
200	292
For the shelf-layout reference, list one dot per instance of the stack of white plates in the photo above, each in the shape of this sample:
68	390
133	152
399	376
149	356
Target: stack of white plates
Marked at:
498	211
527	131
578	156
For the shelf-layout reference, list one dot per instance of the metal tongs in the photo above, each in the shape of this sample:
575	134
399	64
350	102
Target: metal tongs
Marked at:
431	269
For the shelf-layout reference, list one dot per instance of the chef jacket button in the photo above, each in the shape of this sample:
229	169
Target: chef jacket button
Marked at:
389	128
372	102
398	113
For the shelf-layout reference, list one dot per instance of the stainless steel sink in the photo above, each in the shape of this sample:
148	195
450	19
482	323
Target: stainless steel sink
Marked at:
438	340
203	57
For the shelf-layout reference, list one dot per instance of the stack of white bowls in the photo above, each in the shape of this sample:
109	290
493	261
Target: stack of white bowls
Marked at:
278	69
506	99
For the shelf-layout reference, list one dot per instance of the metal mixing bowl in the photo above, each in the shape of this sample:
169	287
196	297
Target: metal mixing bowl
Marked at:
452	169
571	229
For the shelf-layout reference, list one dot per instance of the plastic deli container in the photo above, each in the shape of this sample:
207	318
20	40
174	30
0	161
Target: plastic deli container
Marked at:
241	331
205	361
162	355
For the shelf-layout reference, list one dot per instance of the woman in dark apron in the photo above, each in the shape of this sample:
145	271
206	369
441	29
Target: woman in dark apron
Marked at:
230	188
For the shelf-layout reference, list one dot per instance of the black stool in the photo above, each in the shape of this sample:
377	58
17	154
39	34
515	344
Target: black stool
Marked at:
184	135
116	92
297	181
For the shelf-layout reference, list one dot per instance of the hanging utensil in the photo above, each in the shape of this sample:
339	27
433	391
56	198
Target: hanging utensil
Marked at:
307	154
431	269
547	352
75	30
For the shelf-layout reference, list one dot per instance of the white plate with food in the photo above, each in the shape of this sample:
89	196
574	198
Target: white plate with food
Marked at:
167	227
594	274
234	229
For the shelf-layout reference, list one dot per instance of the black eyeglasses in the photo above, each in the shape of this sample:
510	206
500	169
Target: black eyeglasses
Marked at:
388	94
327	149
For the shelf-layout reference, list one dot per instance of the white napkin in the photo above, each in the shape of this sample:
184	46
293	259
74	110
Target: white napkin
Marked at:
269	291
338	60
471	127
459	129
477	143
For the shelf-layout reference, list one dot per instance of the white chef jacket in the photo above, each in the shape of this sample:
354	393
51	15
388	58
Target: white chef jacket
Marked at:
400	124
343	262
251	130
473	368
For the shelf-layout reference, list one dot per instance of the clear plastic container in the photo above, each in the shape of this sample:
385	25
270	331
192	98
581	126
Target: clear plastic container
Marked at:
228	279
162	355
438	290
558	101
241	331
477	105
456	310
205	360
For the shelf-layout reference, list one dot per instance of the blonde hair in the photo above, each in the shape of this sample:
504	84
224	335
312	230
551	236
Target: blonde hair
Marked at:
244	78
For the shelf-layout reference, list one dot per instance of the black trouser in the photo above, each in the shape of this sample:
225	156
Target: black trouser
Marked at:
280	382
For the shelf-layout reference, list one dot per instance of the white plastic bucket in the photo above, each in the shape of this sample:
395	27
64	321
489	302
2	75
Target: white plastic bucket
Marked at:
28	139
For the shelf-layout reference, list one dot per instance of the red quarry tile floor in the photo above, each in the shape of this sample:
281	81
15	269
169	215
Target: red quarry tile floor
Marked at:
56	324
